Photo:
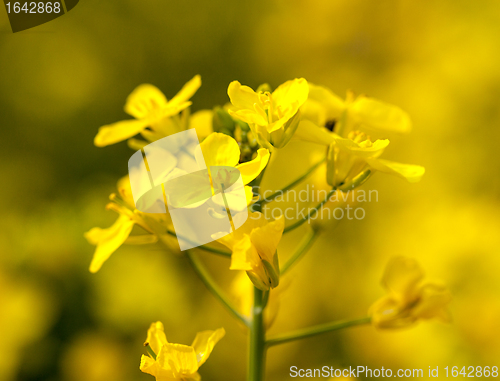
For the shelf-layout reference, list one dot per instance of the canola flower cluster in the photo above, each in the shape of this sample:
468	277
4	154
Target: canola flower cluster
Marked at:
243	134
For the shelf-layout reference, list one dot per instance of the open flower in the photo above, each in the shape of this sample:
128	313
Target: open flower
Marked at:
349	160
351	154
150	108
409	298
177	362
273	117
326	109
254	249
110	239
222	150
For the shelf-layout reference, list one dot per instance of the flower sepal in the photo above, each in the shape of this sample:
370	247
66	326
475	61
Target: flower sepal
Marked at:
273	271
357	181
257	282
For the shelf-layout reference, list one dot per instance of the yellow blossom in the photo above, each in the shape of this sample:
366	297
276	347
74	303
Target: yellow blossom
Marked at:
350	158
150	108
222	150
253	248
273	117
409	298
326	109
110	239
177	361
329	121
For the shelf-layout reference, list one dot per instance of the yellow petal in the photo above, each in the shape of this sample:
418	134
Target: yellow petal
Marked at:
365	151
189	190
266	238
434	299
244	254
136	144
192	377
204	343
187	91
410	172
219	150
402	276
388	312
254	220
322	105
119	131
378	115
248	194
180	359
143	100
156	116
251	169
125	190
310	132
281	137
202	122
156	336
151	136
150	366
291	95
242	97
250	116
108	240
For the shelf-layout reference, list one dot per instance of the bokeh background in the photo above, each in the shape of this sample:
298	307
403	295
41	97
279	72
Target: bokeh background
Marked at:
438	60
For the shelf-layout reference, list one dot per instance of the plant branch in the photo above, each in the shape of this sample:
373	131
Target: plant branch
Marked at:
315	330
311	213
305	245
257	353
202	247
207	279
292	184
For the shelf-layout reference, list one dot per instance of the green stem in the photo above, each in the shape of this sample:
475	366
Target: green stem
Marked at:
311	213
257	351
207	279
291	185
306	243
202	247
315	330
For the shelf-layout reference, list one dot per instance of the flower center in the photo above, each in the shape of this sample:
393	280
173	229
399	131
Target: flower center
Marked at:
361	138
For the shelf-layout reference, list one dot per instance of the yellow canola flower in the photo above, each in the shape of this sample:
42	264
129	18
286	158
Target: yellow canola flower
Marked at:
329	121
150	108
177	362
324	108
110	239
349	159
253	248
272	117
222	150
409	298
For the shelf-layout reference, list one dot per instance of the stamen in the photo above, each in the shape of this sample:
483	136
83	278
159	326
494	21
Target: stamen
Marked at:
269	104
359	137
259	110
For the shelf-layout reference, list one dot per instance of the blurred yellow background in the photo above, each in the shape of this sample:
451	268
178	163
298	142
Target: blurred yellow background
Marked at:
59	82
